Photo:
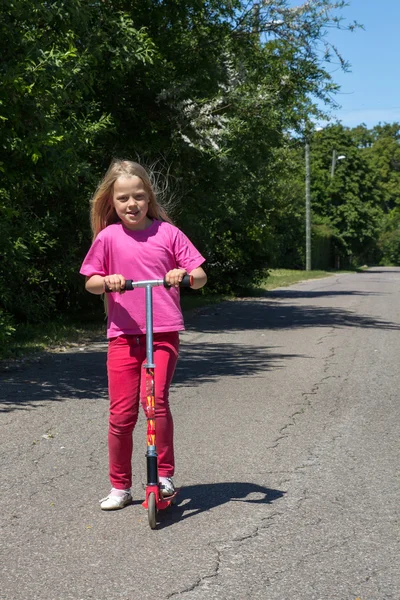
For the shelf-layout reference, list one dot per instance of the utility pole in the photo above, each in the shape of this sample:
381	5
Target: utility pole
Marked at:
334	159
256	17
308	208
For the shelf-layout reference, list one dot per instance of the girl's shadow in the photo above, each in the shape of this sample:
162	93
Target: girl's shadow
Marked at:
194	499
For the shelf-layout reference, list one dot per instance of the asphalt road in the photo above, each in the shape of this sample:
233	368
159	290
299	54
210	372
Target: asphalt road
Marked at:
287	420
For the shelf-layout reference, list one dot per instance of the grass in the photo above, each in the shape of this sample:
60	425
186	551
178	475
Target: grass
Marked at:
285	277
81	328
29	339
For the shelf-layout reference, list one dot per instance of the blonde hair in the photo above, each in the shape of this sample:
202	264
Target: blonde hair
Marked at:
102	212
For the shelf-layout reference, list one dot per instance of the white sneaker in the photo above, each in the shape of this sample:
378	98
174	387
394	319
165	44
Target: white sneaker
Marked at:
166	486
116	499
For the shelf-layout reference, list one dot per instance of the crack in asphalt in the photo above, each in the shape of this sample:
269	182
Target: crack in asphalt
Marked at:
267	522
200	581
227	545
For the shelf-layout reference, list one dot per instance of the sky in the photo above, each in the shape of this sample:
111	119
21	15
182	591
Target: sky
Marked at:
370	91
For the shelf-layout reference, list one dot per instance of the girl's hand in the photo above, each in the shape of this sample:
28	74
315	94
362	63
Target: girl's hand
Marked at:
115	283
175	276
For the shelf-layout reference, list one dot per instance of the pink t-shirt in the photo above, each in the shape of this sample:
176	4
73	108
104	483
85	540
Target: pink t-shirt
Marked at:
141	255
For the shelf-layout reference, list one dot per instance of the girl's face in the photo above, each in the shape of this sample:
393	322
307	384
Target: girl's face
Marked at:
131	202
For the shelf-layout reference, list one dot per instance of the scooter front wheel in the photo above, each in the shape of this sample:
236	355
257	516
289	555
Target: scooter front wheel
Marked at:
152	510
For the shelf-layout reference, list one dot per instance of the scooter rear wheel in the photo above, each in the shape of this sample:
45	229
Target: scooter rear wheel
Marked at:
152	510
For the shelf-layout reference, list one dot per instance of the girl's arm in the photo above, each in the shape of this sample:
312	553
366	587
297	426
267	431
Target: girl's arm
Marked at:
175	276
96	283
199	278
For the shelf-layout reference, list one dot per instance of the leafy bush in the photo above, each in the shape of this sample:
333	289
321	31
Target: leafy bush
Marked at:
389	240
7	327
321	244
187	81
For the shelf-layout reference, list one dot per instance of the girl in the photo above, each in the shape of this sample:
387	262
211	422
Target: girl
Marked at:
135	239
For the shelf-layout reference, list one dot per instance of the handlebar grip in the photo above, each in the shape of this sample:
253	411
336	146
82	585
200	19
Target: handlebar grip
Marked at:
128	286
187	281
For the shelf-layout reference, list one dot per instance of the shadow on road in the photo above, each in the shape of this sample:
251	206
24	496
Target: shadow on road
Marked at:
250	314
289	293
374	270
56	377
206	362
82	375
195	499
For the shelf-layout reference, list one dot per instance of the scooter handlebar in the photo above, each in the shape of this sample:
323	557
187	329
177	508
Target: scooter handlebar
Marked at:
130	284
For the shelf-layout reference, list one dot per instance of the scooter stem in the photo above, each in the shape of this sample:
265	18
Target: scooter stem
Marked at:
151	454
149	328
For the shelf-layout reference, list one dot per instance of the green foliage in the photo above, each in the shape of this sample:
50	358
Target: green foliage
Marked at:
7	327
389	239
383	156
322	249
52	120
346	193
210	87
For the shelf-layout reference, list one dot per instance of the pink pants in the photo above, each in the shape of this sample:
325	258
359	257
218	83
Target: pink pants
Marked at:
126	384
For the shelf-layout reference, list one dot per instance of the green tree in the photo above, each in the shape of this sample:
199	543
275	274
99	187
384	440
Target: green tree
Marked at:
51	117
346	195
211	87
384	160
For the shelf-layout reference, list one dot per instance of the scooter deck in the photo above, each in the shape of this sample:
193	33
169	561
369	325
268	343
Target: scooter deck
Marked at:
163	503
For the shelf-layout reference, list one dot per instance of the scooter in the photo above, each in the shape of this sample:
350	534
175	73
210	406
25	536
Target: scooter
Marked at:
154	500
